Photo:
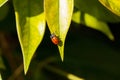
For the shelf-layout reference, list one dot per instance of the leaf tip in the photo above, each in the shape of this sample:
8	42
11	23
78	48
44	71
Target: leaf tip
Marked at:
25	69
61	50
62	58
26	64
111	37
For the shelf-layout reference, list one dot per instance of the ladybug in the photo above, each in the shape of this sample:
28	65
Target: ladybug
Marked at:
55	39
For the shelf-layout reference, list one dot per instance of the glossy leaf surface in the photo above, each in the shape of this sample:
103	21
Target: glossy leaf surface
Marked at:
112	5
92	22
58	15
94	8
30	21
2	2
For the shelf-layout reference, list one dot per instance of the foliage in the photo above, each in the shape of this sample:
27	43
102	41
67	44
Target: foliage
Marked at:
2	2
30	22
59	25
112	5
31	17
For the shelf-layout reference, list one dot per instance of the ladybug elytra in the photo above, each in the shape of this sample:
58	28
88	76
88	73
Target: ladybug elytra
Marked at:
54	39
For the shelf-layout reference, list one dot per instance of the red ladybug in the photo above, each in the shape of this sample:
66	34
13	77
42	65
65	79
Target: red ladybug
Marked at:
54	39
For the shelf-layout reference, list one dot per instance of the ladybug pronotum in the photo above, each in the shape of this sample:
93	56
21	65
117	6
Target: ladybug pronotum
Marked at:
54	39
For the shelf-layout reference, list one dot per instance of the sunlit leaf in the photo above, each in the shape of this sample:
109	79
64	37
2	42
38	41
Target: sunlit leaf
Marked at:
30	22
58	15
77	17
112	5
2	2
94	8
0	77
92	22
63	73
74	77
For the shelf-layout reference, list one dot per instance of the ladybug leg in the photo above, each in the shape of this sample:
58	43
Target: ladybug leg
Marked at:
60	43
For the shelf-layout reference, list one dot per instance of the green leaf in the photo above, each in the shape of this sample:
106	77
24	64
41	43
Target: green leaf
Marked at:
92	22
30	22
2	2
77	17
0	77
4	10
58	15
112	5
63	73
94	8
2	66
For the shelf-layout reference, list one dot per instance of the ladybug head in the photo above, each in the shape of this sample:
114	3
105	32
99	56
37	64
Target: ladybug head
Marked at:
52	35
